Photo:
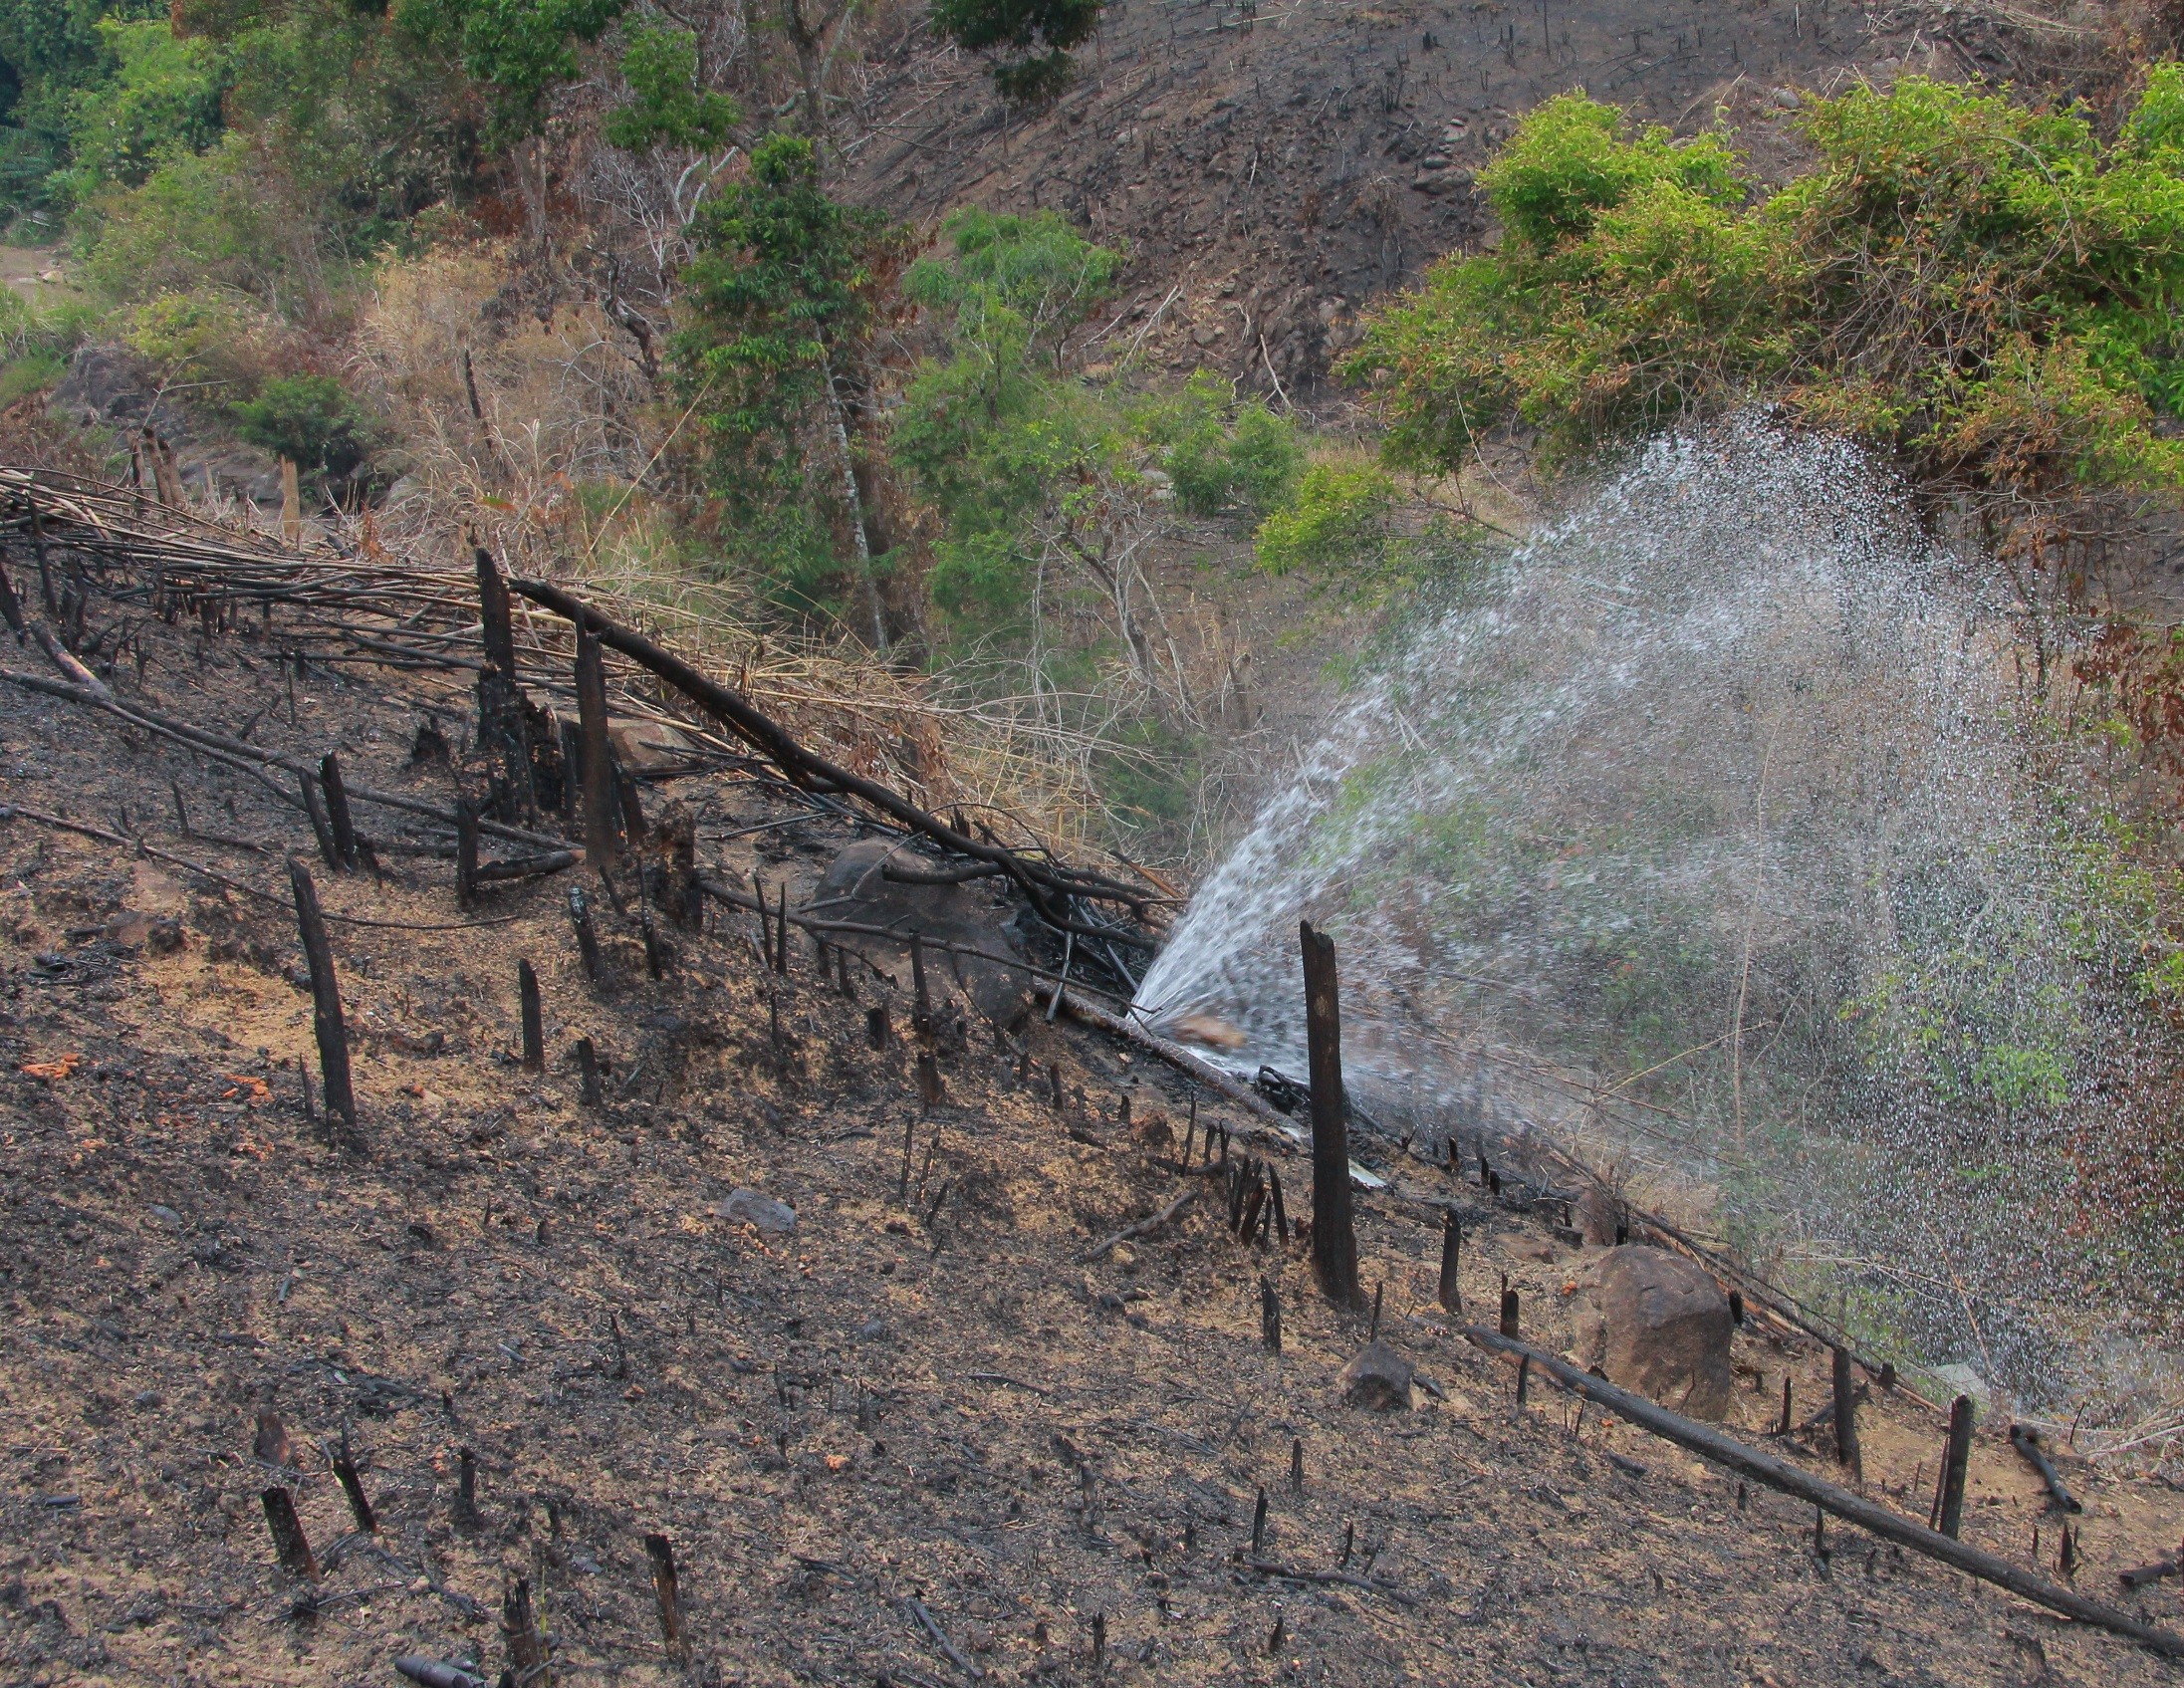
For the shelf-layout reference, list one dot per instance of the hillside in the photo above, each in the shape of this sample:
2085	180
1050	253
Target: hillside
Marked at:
932	1388
1271	172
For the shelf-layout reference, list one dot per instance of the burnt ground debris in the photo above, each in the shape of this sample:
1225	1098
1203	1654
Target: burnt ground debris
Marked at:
916	1400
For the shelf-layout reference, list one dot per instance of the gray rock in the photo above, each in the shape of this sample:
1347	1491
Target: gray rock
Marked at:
1380	1378
748	1207
1656	1323
856	889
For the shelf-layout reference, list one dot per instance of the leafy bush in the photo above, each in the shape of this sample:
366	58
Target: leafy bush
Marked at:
1340	521
518	49
1984	287
205	338
1222	455
309	418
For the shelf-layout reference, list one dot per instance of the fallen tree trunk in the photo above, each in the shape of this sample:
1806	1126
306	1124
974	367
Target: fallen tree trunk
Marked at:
1040	880
1709	1443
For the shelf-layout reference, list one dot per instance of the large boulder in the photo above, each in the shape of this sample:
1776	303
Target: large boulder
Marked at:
879	883
1653	1321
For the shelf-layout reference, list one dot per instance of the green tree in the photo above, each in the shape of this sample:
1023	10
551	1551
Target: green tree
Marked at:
310	420
777	307
521	49
164	99
1031	39
51	51
667	107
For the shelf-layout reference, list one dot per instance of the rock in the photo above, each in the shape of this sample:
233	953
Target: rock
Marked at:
1380	1378
1653	1321
856	889
647	747
1963	1380
748	1207
1597	1216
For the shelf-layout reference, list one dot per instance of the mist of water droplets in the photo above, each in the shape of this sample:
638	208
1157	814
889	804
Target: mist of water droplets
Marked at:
1708	830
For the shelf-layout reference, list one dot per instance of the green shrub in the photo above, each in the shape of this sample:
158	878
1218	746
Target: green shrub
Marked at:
205	338
309	418
1341	520
1982	287
1031	39
1220	454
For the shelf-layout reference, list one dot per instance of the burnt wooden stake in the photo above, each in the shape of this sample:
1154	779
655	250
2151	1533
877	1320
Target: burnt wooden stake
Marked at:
1509	1313
534	1017
843	981
1053	1086
922	1015
1847	1417
1949	1497
1349	1541
1523	1375
11	606
1259	1527
520	1631
1333	1237
466	853
1452	1248
1783	1429
587	1073
661	1552
1099	1640
1378	1290
496	615
1297	1464
1281	1210
875	1025
929	1079
598	777
466	1490
289	1541
359	1506
315	813
909	1142
326	1000
781	934
630	801
587	937
338	819
1270	1317
1255	1199
1190	1130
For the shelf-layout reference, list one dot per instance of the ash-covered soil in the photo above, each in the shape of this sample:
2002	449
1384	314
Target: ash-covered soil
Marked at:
917	1394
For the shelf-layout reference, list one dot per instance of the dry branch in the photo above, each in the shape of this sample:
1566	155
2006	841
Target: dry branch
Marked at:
1709	1443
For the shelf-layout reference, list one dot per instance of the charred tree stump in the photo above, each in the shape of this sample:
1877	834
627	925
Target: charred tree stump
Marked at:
1510	1315
1847	1417
326	1002
875	1025
1452	1248
534	1019
587	1073
587	937
661	1552
1270	1317
289	1542
601	837
466	852
1333	1237
321	830
1949	1496
520	1630
359	1506
340	820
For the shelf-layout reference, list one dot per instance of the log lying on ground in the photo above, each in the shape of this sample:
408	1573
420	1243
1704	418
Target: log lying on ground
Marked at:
1137	1228
1709	1443
1041	882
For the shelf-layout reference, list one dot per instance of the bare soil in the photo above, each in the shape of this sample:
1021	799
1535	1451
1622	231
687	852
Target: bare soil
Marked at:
917	1393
